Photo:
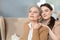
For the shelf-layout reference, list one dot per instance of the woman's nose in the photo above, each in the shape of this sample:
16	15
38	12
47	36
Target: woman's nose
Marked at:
43	13
32	13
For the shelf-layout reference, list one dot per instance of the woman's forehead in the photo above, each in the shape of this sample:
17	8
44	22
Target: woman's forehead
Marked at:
44	8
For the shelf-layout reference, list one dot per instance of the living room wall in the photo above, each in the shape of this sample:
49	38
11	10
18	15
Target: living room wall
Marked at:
19	8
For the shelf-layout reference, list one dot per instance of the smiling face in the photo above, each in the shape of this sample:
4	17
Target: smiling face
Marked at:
33	13
46	12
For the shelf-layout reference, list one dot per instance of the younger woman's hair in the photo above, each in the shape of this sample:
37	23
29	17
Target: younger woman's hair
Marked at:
37	8
47	5
52	21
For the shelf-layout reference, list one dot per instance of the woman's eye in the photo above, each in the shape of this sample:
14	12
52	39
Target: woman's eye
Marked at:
46	10
35	12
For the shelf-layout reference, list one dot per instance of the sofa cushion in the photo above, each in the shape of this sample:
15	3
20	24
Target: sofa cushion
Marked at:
14	25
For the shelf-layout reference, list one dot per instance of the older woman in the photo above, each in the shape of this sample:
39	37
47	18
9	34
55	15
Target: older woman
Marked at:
33	29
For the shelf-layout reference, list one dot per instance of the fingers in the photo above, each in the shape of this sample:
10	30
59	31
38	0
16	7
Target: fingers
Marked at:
37	26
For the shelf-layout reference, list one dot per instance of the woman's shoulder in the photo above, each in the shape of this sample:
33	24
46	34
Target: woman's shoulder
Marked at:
56	28
26	24
57	23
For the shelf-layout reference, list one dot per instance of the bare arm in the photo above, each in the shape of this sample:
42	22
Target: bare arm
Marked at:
51	34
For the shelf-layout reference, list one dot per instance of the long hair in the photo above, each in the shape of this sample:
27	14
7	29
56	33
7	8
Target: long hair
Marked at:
51	23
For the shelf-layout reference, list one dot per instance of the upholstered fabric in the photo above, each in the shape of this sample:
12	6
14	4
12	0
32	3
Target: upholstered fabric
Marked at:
10	26
2	28
14	25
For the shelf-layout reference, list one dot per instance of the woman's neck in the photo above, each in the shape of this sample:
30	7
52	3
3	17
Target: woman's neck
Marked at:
46	21
34	22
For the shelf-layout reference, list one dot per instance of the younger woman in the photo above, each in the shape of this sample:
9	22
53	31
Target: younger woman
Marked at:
53	25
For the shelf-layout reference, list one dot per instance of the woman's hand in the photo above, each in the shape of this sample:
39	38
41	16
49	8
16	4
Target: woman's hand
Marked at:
37	26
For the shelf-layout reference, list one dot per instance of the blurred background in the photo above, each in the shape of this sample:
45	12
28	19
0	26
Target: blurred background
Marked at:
18	8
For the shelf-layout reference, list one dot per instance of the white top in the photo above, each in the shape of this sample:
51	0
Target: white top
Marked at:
30	32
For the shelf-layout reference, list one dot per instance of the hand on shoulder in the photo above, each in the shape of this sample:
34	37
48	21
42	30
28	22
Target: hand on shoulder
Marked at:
37	26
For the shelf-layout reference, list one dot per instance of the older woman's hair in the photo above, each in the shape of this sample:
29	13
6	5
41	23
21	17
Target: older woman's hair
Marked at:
37	8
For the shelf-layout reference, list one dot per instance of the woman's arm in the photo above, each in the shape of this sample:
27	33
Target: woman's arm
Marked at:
52	35
40	33
43	33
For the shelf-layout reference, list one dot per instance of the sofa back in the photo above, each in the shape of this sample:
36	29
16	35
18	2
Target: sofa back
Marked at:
13	25
2	28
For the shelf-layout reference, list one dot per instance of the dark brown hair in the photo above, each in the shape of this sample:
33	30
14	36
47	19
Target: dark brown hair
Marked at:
47	5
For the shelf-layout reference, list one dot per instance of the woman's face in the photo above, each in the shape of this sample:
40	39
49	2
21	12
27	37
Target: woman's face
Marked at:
46	12
33	14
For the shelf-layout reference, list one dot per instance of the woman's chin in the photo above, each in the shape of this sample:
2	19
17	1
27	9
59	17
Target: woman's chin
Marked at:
31	19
